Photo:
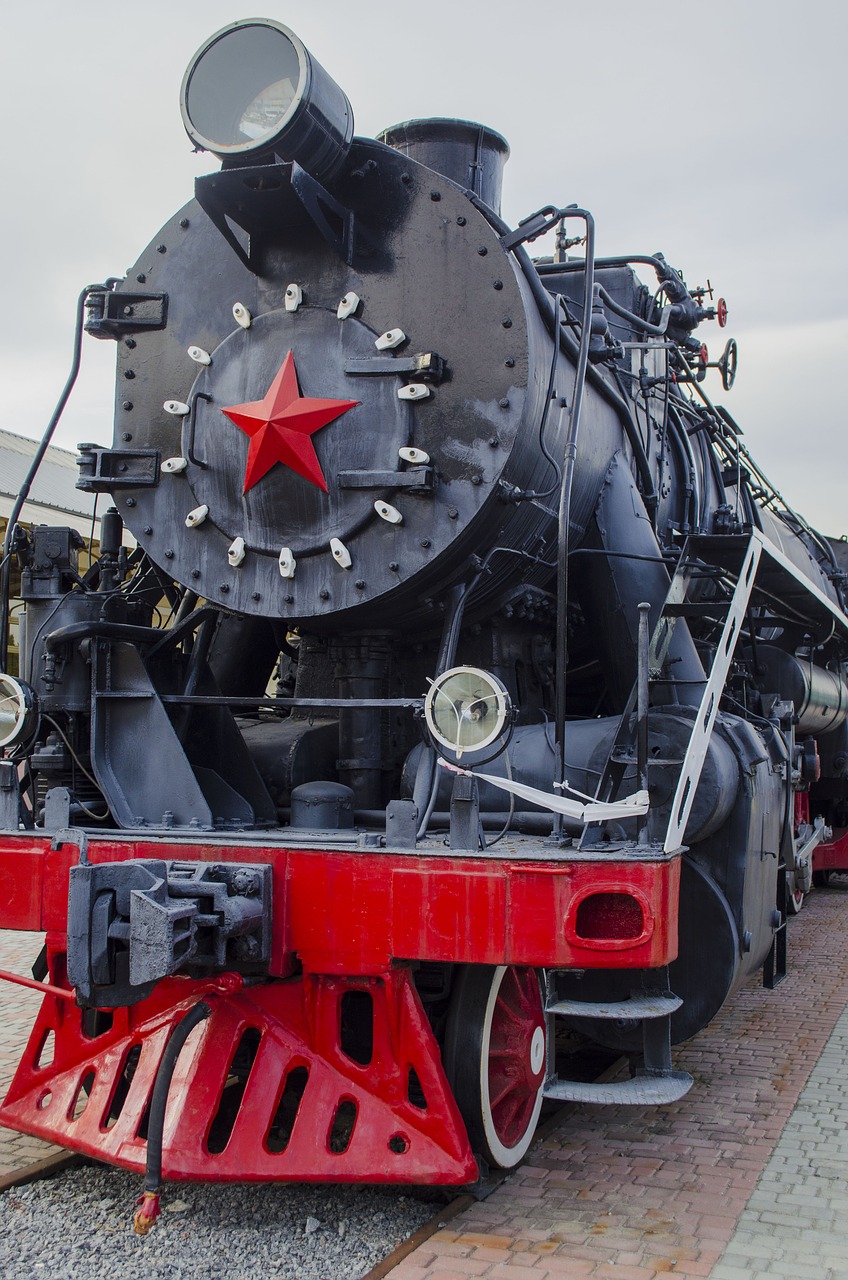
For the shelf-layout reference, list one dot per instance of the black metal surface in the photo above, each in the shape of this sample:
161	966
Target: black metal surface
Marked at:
524	547
132	923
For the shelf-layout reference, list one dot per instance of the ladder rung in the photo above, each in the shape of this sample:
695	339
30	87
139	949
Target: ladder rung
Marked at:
637	1007
641	1091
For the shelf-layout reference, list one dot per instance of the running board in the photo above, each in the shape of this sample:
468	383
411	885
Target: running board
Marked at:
641	1091
636	1008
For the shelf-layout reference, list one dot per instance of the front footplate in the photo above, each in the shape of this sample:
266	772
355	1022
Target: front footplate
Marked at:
263	1089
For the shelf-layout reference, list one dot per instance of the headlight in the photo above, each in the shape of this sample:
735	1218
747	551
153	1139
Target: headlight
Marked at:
466	709
254	90
17	711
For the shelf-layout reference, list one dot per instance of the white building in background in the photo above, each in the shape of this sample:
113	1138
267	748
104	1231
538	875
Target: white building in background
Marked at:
53	498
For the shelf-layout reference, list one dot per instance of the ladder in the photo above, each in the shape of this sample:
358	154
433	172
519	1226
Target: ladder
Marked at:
752	563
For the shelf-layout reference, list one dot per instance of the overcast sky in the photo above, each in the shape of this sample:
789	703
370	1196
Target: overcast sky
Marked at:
714	132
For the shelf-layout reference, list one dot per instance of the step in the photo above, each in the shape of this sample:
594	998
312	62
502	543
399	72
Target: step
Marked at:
636	1008
641	1091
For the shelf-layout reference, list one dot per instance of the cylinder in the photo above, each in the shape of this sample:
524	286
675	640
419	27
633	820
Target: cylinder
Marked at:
471	155
820	696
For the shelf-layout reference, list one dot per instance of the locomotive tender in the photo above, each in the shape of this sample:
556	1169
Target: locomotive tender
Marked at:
468	677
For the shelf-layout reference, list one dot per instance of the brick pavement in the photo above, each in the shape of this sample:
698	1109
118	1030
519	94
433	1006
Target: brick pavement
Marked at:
18	1008
744	1178
692	1190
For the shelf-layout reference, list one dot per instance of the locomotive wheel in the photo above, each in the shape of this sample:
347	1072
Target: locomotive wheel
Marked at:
794	900
495	1051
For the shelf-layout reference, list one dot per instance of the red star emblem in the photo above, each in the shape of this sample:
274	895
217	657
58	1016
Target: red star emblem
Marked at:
281	426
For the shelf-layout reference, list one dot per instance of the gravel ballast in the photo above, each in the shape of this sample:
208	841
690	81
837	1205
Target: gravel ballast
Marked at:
78	1226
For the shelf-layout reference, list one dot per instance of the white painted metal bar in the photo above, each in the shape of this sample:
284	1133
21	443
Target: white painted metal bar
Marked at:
696	751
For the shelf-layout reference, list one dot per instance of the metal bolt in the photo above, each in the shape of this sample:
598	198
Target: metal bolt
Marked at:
359	584
184	222
148	529
435	195
504	404
257	595
195	573
476	479
507	323
161	248
289	599
128	404
406	178
131	343
494	442
169	555
324	594
482	250
393	565
126	435
453	514
128	374
460	222
509	362
225	586
425	542
498	284
141	277
128	310
131	503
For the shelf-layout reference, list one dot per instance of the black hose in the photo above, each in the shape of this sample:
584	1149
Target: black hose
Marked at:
549	313
564	513
23	492
160	637
146	1216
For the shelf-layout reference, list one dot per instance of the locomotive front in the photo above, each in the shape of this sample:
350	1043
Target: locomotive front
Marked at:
365	756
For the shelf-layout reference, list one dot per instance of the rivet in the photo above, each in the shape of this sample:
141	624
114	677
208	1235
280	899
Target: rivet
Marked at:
507	323
148	529
460	222
128	310
129	374
169	555
161	248
289	599
324	594
406	178
498	284
504	404
476	479
509	362
359	584
257	595
494	442
425	542
128	404
393	565
453	514
126	435
435	195
131	503
130	342
141	277
225	586
184	222
482	250
195	573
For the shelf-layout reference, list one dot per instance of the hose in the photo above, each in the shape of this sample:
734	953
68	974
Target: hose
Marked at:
148	1212
23	492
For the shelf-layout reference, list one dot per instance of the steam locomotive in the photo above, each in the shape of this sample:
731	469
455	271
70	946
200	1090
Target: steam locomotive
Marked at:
466	679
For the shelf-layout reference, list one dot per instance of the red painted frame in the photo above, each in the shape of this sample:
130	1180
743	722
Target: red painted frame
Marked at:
343	920
358	911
